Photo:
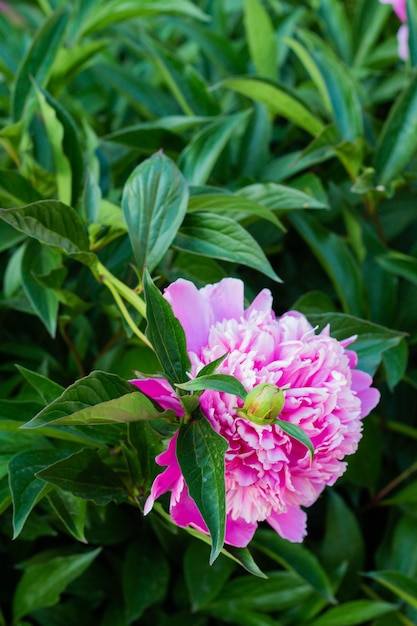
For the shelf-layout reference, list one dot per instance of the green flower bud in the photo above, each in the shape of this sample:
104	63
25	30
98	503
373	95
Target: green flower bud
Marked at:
263	404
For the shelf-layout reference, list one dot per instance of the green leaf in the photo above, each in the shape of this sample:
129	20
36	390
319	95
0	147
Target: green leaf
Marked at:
354	613
373	340
297	433
86	476
43	582
278	100
204	581
40	260
38	61
46	388
233	205
201	154
217	382
397	140
279	197
165	333
54	224
261	39
17	188
154	203
145	577
297	558
411	11
220	237
338	27
200	453
71	511
94	389
395	363
336	259
26	489
406	495
400	264
210	368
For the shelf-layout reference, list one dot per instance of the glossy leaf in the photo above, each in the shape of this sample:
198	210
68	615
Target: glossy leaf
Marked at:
52	223
217	382
38	61
86	476
154	203
94	389
397	140
278	100
165	333
220	237
42	583
200	156
200	453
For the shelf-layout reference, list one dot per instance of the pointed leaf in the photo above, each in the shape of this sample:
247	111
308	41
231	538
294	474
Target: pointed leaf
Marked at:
204	581
354	613
52	223
47	389
165	333
200	453
71	511
261	39
38	61
220	237
403	586
217	382
43	582
278	100
279	197
236	204
154	203
297	433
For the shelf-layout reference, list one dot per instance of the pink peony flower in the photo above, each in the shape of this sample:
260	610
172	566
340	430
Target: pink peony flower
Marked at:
400	9
269	475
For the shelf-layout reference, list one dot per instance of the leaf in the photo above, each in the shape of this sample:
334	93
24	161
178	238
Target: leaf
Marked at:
217	382
200	453
46	388
336	259
397	139
395	363
353	613
18	188
71	511
338	27
220	237
145	577
235	204
38	61
411	12
372	340
400	264
406	495
54	224
297	433
27	489
165	333
199	157
86	476
154	203
279	197
43	582
297	558
86	392
260	36
278	100
41	260
204	581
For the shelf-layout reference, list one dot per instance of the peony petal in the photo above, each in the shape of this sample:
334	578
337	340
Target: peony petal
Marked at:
239	532
369	396
262	303
161	391
291	525
168	478
192	310
225	299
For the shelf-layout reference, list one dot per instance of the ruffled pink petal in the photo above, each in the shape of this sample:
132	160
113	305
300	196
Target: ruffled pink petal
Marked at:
262	303
239	532
192	310
161	391
225	299
291	525
369	396
168	478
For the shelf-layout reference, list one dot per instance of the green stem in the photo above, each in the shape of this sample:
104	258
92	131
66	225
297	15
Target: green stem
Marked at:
128	294
394	483
126	313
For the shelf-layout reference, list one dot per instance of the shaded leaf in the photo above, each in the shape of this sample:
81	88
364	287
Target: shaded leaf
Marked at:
353	613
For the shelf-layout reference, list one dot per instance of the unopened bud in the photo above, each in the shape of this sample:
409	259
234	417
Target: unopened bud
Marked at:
263	404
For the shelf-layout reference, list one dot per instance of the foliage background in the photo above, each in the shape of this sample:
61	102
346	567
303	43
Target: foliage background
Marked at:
288	133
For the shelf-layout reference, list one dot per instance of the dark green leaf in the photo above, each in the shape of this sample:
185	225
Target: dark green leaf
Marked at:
411	11
165	333
86	476
220	237
92	390
154	203
52	223
233	205
400	264
200	453
397	140
395	363
354	613
204	581
279	197
37	62
47	389
70	510
17	188
216	382
297	433
297	558
210	368
42	583
145	577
